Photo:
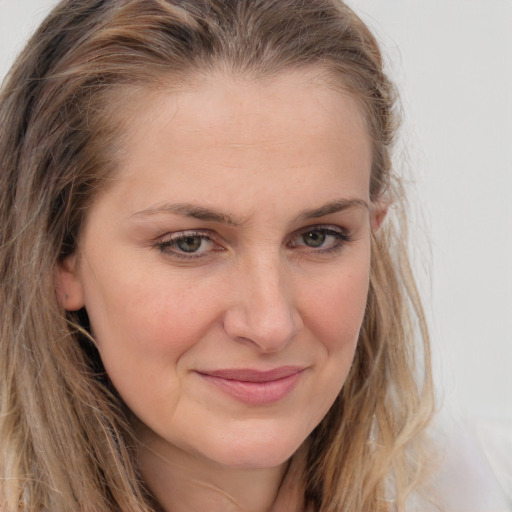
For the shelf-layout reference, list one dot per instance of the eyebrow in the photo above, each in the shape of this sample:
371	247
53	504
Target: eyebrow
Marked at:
338	205
191	210
212	215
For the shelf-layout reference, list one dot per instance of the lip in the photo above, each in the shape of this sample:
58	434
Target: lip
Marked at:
255	387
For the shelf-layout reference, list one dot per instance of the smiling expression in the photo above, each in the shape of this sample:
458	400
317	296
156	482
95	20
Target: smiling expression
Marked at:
225	271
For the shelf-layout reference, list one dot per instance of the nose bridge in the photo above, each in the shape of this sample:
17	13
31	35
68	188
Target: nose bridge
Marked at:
264	311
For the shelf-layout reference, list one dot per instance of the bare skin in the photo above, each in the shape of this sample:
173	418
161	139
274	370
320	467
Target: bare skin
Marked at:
225	274
185	489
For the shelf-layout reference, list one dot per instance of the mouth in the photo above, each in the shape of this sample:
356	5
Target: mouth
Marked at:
255	387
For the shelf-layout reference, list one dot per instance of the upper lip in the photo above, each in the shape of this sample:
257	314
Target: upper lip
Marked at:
253	375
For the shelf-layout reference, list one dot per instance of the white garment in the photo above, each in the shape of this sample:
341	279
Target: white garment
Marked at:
476	471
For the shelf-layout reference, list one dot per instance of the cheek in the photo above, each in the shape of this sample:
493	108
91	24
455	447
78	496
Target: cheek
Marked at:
151	316
143	329
333	312
337	309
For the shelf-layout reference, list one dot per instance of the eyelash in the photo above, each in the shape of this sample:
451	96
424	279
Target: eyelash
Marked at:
341	238
167	245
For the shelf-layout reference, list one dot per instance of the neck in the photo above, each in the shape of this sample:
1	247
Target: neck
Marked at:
184	482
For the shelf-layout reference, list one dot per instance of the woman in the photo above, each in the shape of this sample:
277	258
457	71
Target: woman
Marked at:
207	302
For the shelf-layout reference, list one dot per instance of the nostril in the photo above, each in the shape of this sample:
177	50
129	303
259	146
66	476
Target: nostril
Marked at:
263	308
270	329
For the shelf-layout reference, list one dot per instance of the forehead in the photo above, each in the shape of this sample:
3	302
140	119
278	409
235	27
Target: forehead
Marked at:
230	132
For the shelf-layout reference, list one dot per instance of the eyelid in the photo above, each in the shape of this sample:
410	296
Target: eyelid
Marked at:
176	235
342	234
164	243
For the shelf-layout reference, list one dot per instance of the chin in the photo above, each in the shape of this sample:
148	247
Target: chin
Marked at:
254	452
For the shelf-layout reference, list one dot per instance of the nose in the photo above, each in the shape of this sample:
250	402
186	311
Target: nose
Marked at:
262	309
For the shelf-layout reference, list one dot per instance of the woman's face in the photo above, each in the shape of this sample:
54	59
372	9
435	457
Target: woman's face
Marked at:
225	271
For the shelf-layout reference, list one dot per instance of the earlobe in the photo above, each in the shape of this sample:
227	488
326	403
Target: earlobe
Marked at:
68	286
378	213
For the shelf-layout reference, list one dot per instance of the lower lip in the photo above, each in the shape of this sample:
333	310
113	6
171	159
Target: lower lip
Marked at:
256	393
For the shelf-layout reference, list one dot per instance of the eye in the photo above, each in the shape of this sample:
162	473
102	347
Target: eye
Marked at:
188	244
320	238
314	238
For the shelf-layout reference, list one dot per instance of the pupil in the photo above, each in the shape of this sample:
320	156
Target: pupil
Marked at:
189	243
314	238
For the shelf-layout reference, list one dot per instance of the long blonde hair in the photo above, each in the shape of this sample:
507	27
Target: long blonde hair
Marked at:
65	438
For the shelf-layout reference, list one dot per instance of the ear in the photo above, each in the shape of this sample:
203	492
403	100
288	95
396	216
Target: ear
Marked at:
68	286
378	211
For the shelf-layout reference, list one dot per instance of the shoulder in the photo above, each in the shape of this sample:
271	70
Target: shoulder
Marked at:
475	472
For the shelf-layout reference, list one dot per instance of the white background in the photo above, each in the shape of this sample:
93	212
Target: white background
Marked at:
453	62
